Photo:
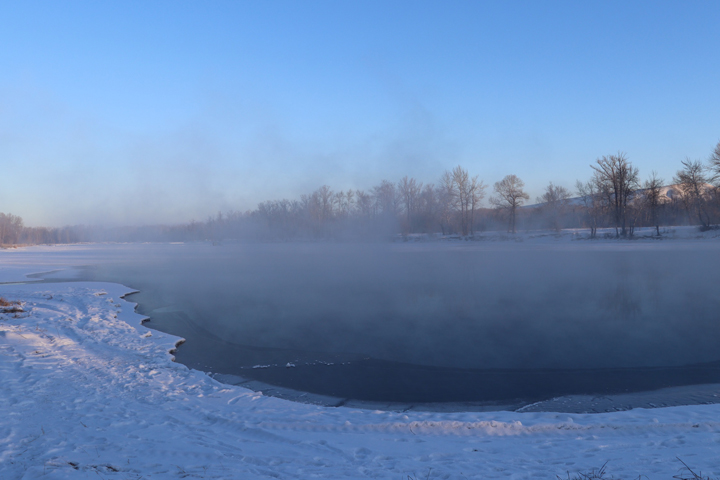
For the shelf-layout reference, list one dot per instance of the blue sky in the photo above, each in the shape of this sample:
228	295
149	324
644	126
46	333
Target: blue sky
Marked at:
143	112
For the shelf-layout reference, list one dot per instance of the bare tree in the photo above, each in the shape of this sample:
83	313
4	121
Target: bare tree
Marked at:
633	214
593	203
476	192
554	194
715	164
11	227
318	208
409	190
363	203
466	194
386	198
445	197
693	183
428	208
554	201
509	195
616	180
386	205
343	203
652	199
461	182
324	197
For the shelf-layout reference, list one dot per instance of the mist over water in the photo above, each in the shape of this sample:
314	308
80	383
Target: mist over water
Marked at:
504	306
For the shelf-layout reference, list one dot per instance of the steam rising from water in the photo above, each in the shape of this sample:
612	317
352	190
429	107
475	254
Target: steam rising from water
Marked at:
451	305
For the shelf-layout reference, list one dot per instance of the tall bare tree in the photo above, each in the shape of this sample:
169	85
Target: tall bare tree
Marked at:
324	198
344	203
617	180
446	199
409	190
467	193
461	181
593	202
11	227
428	208
652	199
693	183
476	192
554	201
363	203
386	198
509	195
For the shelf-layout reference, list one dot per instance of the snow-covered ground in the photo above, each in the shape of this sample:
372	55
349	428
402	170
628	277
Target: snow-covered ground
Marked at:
641	234
86	391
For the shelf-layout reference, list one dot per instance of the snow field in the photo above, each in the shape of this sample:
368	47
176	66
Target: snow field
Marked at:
87	392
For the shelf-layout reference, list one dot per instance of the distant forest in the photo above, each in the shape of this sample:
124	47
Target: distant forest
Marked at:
459	204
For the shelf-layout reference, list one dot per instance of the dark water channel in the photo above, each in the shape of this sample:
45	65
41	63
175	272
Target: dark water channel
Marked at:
480	323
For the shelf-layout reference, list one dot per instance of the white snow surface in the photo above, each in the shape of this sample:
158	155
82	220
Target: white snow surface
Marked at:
88	392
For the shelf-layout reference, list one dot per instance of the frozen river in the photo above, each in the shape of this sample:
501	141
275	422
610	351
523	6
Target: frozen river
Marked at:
433	322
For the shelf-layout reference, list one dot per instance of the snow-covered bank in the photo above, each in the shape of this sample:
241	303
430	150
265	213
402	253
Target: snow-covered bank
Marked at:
603	235
87	392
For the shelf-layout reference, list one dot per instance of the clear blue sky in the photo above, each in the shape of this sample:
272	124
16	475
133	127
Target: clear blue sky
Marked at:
120	112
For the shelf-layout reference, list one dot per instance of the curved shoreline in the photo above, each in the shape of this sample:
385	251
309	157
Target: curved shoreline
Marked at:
697	393
87	390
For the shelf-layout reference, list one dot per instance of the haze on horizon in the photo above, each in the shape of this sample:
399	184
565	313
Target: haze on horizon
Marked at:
162	112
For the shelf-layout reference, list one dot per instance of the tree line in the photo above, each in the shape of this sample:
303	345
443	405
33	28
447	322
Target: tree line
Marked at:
613	197
14	232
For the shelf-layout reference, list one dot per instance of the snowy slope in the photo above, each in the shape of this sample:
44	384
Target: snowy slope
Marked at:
87	392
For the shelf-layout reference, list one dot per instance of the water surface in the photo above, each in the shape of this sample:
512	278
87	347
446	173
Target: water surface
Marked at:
435	322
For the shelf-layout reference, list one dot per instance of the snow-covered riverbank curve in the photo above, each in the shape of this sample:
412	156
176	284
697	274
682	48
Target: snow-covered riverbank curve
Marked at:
86	391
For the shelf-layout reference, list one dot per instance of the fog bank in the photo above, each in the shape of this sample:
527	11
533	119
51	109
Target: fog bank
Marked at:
448	305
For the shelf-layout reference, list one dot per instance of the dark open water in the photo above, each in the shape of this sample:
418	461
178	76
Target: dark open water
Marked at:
496	323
